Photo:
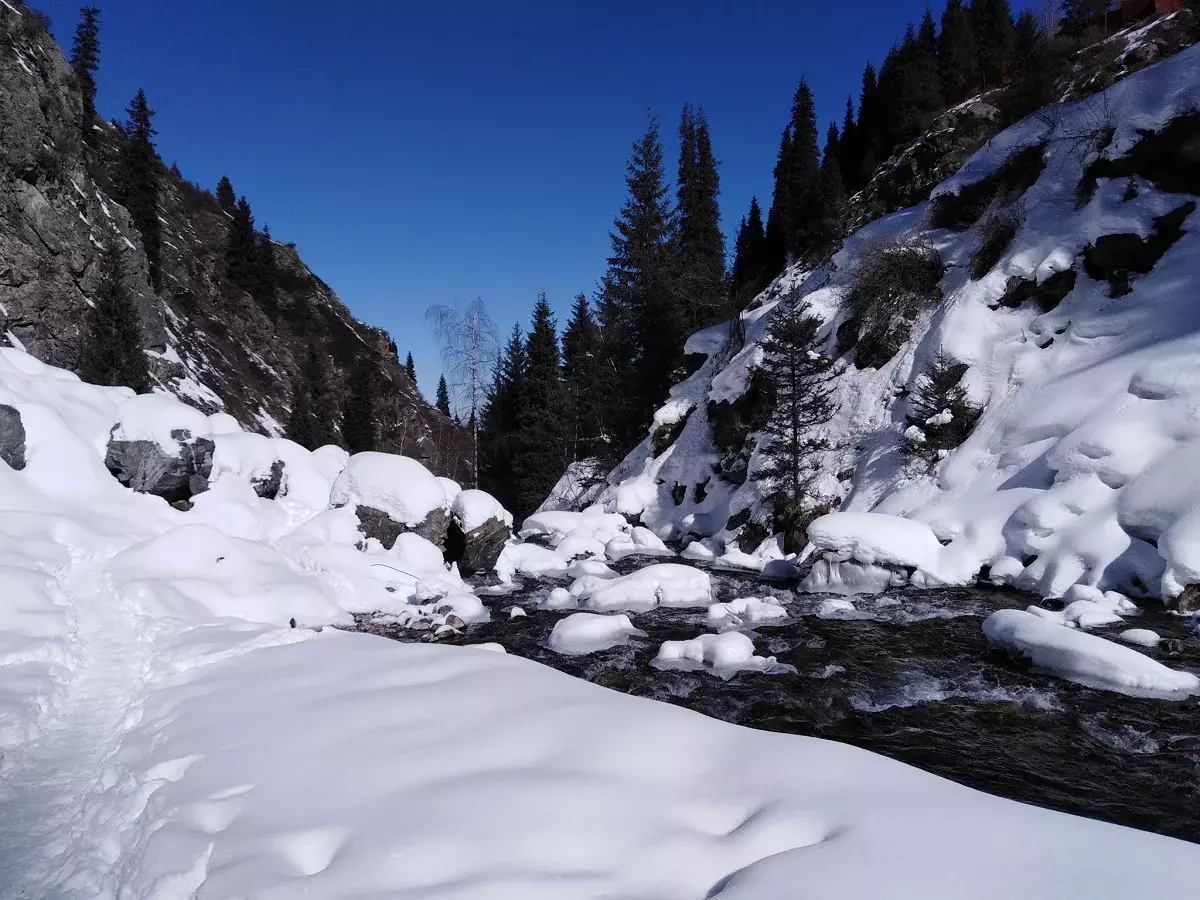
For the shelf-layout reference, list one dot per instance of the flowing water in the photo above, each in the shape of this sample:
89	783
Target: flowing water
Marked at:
910	675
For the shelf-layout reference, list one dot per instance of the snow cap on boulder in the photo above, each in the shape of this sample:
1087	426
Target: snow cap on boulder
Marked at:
392	494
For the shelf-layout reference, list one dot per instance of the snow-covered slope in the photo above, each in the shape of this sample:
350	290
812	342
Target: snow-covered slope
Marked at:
1081	468
165	735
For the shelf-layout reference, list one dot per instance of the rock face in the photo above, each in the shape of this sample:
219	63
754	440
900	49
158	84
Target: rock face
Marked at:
375	523
12	438
209	342
176	477
477	550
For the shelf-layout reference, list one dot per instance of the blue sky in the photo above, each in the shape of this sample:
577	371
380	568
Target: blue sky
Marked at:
426	153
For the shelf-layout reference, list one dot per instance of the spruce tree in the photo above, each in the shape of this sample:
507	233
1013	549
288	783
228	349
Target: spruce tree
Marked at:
1078	15
749	261
359	427
541	449
804	177
411	368
112	351
833	191
85	60
870	125
940	417
242	254
701	244
499	423
801	380
140	166
994	32
267	270
778	220
584	381
443	396
850	151
314	407
956	50
640	296
225	196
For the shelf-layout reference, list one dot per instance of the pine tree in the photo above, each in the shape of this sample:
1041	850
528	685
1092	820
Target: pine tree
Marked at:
314	406
359	429
910	88
584	381
1031	69
443	395
870	125
640	304
499	423
242	256
701	244
850	151
541	447
833	191
994	32
225	195
940	417
411	368
801	378
140	166
112	351
804	177
267	270
749	261
1078	15
778	223
956	50
85	60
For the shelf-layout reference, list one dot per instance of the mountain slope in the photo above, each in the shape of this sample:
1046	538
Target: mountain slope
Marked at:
1078	468
210	343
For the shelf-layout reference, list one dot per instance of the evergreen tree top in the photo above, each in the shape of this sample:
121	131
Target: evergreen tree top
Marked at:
139	126
645	220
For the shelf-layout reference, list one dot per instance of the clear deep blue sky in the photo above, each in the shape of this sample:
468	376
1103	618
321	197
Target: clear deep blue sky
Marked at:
423	153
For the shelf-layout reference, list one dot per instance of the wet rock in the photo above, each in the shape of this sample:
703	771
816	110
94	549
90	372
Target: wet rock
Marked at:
12	438
455	622
419	625
1189	601
144	466
477	550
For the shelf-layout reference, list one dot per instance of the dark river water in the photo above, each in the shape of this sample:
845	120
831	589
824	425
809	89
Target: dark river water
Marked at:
912	677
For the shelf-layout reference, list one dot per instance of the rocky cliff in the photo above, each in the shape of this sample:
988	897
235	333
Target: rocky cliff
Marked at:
210	343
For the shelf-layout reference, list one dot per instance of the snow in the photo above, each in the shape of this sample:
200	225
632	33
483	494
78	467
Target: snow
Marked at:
1142	637
529	560
164	733
724	655
875	539
665	584
745	611
154	417
396	485
583	633
452	488
639	542
472	509
1086	658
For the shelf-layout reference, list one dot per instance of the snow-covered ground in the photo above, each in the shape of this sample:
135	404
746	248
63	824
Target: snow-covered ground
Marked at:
166	735
1080	469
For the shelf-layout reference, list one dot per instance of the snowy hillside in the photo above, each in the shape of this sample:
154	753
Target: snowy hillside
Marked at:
1079	342
167	732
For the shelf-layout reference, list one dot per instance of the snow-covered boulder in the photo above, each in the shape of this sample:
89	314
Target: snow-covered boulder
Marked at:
479	529
665	584
744	611
12	438
724	655
161	446
249	456
391	495
1085	658
584	633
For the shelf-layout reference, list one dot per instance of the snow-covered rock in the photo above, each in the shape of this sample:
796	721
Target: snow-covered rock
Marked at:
665	584
1085	658
392	494
583	633
722	654
479	529
161	446
1142	637
744	611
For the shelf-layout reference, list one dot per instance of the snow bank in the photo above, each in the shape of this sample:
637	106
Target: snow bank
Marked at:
583	633
396	485
665	584
529	560
1085	658
722	654
745	611
881	540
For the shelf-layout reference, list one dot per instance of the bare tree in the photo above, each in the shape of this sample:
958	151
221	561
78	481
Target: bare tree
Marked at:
470	347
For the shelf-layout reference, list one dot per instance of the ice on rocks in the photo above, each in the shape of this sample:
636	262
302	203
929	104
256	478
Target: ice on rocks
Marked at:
1142	637
583	633
745	611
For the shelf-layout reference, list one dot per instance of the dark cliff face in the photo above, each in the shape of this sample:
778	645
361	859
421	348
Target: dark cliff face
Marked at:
210	343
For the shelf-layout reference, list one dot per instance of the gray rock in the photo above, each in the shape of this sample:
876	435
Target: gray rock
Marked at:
375	523
1189	601
12	437
268	487
145	467
477	550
